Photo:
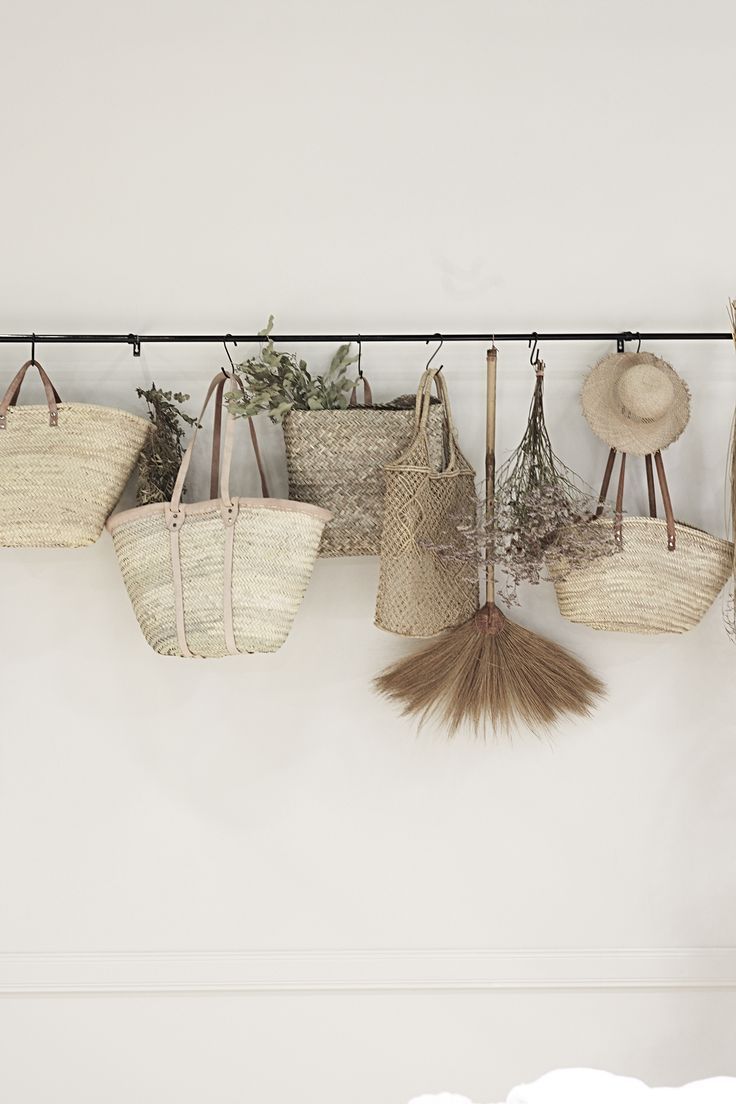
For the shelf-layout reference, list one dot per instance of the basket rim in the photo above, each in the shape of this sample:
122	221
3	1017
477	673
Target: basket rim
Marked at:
214	506
32	408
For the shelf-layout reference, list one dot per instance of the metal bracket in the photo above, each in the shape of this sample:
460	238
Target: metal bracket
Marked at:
135	341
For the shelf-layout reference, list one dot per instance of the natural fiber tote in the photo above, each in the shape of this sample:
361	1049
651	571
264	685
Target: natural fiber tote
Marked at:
663	577
219	577
422	592
63	467
335	458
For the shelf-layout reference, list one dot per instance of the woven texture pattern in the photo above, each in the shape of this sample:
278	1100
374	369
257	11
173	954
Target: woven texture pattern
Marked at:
335	459
273	556
60	483
421	593
645	588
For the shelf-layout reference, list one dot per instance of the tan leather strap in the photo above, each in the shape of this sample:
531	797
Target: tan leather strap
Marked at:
619	509
650	487
667	501
606	482
217	438
367	393
11	395
618	521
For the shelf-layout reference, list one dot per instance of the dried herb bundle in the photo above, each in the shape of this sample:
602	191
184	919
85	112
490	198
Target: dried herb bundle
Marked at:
542	513
276	383
160	460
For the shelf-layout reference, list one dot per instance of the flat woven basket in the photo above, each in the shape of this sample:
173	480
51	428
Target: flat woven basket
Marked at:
63	467
221	577
336	458
663	579
422	592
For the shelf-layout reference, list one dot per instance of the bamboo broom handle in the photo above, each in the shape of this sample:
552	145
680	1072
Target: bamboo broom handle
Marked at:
491	360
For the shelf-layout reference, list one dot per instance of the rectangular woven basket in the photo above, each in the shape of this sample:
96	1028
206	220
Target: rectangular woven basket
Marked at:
336	459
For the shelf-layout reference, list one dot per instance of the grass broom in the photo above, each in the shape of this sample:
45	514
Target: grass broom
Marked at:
491	669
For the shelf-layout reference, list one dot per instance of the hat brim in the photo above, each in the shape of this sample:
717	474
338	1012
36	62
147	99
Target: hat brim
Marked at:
605	416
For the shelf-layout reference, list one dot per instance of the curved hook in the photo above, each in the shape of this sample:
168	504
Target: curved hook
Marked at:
33	349
534	355
228	337
360	355
434	354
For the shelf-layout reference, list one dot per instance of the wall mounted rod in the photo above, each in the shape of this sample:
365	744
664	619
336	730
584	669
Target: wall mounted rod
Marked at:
136	340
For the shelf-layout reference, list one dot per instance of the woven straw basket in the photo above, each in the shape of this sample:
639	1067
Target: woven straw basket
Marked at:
336	458
421	592
663	578
63	467
220	577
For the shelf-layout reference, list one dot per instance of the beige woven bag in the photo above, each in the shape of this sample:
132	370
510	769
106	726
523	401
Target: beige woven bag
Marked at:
63	467
663	577
219	577
336	458
420	592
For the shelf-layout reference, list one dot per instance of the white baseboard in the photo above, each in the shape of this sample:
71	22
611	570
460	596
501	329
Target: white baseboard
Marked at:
396	970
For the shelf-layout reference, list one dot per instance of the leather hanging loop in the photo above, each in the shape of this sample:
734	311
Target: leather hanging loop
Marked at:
10	397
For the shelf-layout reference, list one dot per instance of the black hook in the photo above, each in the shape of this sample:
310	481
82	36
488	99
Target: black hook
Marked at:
434	354
638	342
360	354
33	348
534	355
228	337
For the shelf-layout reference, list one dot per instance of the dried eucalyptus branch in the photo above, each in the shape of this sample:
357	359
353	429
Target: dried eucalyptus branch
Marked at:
160	460
276	383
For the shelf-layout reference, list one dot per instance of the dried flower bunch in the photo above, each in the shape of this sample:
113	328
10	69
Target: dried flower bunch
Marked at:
542	511
160	460
276	383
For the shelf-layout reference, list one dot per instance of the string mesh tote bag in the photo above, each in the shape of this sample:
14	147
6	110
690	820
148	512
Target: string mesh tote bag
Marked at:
663	578
335	458
422	592
221	577
63	466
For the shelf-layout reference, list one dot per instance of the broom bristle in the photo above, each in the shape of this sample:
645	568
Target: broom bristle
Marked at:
491	670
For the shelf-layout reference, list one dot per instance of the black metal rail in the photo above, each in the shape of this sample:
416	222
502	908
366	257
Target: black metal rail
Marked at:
137	340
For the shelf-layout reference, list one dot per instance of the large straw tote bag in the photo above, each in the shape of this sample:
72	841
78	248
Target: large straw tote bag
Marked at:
336	458
422	592
663	577
63	467
220	577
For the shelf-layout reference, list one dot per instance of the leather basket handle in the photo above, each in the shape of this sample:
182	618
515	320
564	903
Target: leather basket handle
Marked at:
664	489
11	395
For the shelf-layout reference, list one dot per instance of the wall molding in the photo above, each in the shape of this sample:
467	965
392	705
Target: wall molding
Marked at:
387	970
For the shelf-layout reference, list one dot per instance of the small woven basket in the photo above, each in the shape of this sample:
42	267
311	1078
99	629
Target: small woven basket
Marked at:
420	591
336	458
63	467
221	577
663	578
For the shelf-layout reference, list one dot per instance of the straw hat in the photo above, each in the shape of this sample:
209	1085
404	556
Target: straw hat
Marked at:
636	402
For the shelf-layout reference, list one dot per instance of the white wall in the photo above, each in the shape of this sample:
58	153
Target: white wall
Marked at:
308	901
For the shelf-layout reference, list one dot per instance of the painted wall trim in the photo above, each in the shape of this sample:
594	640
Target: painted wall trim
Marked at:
388	970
